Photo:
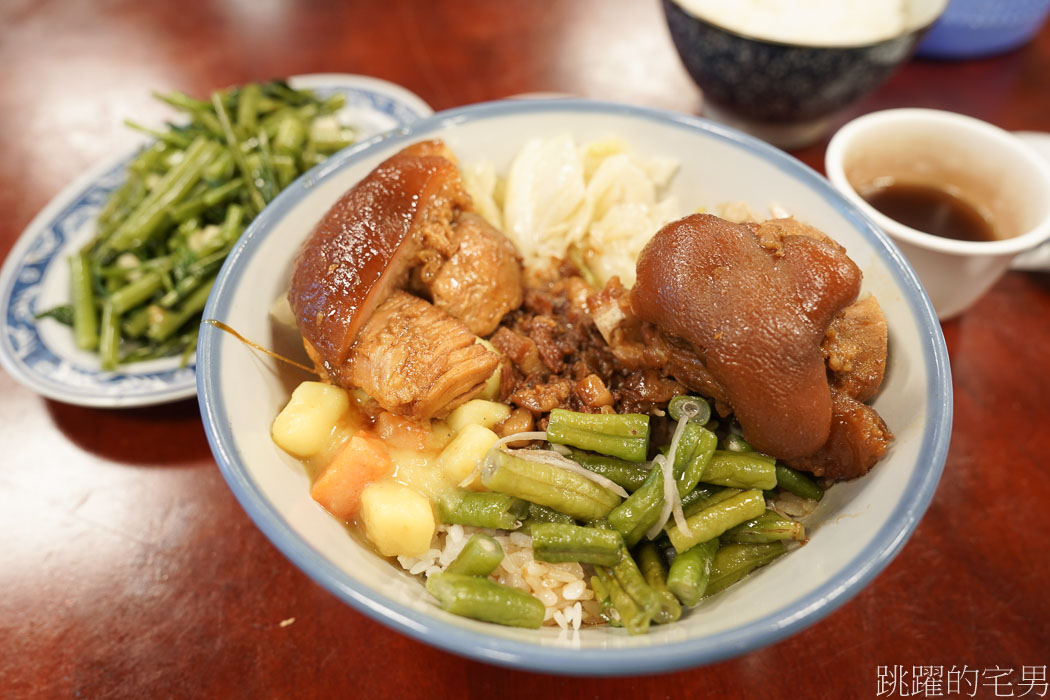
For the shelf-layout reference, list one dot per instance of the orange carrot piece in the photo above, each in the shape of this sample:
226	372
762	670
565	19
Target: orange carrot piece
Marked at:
362	460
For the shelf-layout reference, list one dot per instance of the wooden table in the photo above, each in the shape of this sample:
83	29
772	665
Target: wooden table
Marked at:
127	569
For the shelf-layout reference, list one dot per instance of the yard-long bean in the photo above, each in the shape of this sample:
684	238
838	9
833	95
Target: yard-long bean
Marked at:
734	561
768	527
479	557
690	572
547	484
624	435
641	509
651	565
484	599
498	511
798	483
629	475
699	409
636	603
543	514
558	542
744	470
715	519
693	457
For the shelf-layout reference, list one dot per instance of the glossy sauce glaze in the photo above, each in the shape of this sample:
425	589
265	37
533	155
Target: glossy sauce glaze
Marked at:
364	245
756	310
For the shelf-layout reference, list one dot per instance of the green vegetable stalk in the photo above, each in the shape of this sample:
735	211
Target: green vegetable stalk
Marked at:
163	234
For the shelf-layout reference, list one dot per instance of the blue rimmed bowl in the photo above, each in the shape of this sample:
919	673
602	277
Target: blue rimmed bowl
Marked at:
855	532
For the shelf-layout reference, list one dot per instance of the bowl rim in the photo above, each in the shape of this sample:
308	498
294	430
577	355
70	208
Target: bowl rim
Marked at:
904	118
421	625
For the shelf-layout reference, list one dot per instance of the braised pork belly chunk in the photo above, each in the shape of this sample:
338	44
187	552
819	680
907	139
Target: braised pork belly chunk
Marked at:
366	244
481	280
408	226
422	361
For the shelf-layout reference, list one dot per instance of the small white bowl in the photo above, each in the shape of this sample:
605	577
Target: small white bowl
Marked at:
854	533
993	169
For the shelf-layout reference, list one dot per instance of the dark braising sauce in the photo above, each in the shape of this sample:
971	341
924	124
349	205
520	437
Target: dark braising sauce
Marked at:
930	209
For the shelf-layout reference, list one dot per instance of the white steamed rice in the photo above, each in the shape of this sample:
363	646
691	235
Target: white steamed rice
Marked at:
563	588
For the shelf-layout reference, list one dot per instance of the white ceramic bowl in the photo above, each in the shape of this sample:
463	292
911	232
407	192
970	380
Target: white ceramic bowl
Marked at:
993	168
856	531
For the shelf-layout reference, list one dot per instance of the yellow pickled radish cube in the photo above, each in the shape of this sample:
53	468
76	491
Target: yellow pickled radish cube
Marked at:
461	456
398	520
304	426
440	435
477	412
491	390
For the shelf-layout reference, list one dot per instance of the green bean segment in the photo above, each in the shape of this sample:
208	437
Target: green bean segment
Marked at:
497	511
624	435
543	514
635	602
479	557
558	542
734	442
603	595
693	457
695	499
743	470
548	485
629	475
699	409
798	483
716	519
690	572
651	565
704	496
641	509
484	599
734	561
768	527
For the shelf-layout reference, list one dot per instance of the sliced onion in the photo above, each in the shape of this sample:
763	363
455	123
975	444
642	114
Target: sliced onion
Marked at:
670	494
489	464
679	516
476	471
516	437
672	501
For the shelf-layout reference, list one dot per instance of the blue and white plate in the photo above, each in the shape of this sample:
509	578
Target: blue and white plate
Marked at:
41	354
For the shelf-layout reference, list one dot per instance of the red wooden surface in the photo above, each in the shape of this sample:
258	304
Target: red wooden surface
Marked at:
127	569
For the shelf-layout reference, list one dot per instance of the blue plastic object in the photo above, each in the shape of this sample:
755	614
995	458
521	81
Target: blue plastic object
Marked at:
975	28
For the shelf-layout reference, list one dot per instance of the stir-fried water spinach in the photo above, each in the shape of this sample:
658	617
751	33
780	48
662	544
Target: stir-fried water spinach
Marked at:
138	287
